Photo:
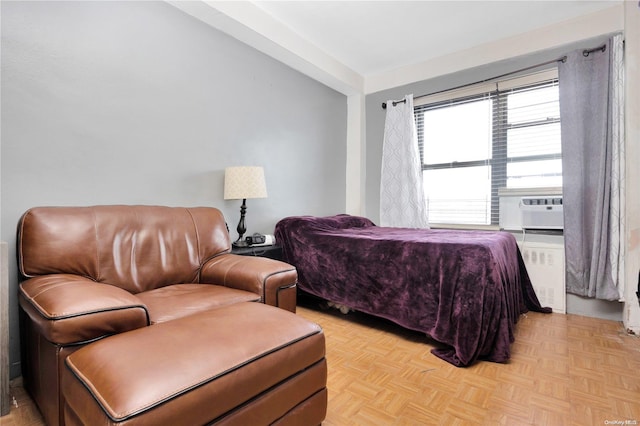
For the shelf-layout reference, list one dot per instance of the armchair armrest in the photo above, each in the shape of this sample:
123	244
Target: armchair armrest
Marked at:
274	281
68	309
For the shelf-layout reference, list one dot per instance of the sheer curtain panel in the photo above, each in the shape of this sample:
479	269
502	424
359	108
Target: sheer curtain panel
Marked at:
402	200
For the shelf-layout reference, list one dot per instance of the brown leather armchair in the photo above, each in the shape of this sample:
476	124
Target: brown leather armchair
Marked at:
91	272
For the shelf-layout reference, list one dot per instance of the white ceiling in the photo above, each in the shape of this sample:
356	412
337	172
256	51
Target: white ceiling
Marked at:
345	43
375	36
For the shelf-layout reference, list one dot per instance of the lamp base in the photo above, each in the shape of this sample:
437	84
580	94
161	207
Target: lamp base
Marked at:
240	244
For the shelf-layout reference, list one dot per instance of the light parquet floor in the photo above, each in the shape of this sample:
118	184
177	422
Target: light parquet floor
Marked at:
23	410
564	370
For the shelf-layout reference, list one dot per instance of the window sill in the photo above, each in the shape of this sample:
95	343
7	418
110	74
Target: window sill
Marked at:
469	227
531	192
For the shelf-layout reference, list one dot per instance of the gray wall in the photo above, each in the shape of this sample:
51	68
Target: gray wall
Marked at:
139	103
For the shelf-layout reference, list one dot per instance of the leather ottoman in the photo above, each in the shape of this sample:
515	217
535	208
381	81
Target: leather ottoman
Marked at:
243	364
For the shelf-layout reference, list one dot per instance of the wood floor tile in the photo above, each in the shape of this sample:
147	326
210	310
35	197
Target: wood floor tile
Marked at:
565	369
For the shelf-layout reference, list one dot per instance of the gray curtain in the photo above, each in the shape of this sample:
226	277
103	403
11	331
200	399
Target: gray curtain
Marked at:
587	151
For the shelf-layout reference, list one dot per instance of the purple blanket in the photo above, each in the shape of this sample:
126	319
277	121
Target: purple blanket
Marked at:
464	289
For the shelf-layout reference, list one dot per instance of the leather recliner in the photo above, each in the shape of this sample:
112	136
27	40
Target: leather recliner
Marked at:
91	272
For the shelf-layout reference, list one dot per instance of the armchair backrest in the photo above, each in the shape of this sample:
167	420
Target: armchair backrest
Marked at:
137	248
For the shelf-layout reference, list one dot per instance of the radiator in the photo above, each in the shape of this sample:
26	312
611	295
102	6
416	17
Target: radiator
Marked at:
545	265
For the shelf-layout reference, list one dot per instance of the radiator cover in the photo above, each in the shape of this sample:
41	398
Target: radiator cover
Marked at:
545	265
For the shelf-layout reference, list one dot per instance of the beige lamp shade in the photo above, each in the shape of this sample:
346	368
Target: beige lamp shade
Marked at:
244	182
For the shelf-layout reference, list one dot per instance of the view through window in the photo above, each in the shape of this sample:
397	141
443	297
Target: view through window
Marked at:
474	144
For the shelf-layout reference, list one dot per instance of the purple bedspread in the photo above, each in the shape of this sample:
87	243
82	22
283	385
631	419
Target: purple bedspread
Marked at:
464	289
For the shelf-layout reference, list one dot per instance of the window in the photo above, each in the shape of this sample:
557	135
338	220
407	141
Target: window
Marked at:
475	141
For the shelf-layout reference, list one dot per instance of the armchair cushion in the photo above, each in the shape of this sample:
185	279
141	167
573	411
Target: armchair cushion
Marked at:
180	300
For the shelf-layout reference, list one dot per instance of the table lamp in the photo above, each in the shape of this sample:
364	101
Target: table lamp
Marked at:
241	183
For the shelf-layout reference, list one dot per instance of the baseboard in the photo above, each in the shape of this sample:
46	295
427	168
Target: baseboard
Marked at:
595	308
5	405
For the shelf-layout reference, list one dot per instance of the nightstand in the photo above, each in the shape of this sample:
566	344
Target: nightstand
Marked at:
272	252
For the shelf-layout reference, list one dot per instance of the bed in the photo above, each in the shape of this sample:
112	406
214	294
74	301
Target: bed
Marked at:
464	289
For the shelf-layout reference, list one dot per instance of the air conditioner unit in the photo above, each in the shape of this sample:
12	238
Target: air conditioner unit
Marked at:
542	212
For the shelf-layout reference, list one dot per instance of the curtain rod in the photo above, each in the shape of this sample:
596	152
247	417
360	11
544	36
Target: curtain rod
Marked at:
586	52
563	59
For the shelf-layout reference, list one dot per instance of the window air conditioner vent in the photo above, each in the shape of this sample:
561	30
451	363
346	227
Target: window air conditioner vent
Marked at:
542	212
